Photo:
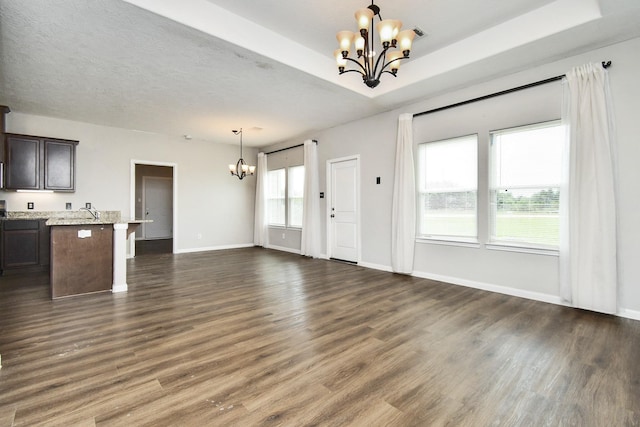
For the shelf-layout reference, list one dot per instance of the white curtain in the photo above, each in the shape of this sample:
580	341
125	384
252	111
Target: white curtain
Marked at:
588	269
310	244
261	228
403	215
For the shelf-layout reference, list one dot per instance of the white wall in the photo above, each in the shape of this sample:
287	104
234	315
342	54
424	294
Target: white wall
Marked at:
210	202
529	275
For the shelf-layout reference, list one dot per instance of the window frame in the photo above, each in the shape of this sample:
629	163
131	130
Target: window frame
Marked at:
270	199
287	224
507	244
457	240
288	196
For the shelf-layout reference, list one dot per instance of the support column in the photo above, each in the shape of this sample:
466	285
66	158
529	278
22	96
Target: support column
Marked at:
120	258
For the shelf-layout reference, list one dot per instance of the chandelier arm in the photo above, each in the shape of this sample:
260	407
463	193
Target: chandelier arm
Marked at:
395	59
382	57
364	70
353	71
389	72
382	70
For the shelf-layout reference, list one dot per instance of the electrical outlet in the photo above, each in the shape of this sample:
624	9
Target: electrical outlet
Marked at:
29	205
199	236
87	205
68	206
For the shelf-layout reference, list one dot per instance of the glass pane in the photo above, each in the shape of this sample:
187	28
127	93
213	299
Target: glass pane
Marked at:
527	215
295	212
529	156
448	214
450	164
275	196
296	193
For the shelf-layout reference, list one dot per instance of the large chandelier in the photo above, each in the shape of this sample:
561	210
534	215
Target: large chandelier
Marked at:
369	64
241	168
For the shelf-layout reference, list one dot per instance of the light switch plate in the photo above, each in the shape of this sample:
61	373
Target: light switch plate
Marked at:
29	205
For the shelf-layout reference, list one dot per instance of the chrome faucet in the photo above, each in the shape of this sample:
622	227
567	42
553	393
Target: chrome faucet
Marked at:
94	212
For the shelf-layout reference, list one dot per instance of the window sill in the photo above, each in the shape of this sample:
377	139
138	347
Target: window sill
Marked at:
465	243
522	249
284	227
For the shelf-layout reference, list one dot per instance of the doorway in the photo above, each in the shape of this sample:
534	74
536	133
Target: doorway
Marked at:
343	230
153	198
157	206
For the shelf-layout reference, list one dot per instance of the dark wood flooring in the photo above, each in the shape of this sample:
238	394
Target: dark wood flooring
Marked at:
254	337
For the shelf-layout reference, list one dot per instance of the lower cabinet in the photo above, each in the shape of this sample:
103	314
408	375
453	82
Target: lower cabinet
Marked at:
24	245
81	259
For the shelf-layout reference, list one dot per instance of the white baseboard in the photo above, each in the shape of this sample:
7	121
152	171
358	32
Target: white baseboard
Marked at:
537	296
214	248
119	288
283	249
376	266
629	314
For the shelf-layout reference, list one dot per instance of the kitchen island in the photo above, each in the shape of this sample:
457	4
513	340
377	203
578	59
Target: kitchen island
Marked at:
81	259
89	255
87	252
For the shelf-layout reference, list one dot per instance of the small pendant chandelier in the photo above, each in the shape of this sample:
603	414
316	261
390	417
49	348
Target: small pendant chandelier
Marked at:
369	64
241	168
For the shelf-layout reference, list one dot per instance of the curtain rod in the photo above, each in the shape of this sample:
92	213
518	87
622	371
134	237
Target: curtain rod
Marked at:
289	148
605	65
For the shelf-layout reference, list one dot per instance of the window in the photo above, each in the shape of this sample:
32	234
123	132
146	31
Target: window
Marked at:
276	198
448	184
285	196
525	175
295	193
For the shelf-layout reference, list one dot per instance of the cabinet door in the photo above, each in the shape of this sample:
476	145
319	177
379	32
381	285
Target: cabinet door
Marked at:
81	265
59	171
20	243
23	163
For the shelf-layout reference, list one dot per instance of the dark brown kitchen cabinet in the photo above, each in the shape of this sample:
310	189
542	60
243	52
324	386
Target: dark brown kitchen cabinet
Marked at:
81	259
24	245
39	163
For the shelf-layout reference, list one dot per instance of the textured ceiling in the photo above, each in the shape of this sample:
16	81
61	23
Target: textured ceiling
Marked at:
204	67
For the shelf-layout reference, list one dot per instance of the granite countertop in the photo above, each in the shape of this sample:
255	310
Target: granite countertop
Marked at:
73	217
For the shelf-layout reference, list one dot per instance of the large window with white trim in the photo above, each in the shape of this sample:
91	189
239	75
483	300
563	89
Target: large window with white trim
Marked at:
448	186
286	196
525	173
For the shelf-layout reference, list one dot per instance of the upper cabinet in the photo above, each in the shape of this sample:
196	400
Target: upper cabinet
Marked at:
39	163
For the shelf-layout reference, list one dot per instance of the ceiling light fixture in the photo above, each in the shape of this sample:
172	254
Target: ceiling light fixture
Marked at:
370	65
241	168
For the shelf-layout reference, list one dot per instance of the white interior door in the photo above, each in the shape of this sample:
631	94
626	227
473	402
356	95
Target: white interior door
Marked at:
344	215
157	205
